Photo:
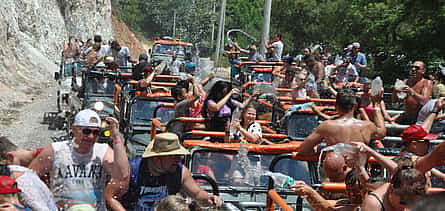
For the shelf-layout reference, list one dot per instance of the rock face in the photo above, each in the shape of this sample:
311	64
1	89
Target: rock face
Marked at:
32	36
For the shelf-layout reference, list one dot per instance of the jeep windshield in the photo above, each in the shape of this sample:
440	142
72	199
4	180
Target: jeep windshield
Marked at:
169	49
99	86
229	169
142	112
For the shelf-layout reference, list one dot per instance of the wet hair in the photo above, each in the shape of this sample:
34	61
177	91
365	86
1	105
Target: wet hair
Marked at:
408	180
309	58
114	43
434	202
352	178
216	94
176	91
404	160
346	99
6	146
97	38
176	203
184	84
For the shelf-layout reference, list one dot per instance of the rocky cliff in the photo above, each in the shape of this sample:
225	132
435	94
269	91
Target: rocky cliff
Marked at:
32	35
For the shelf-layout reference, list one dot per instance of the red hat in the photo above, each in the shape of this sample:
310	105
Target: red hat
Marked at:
416	132
8	185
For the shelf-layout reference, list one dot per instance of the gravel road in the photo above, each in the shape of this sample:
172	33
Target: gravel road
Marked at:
21	122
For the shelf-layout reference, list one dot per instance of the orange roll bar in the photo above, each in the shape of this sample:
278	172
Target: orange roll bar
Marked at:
129	75
191	119
263	70
264	149
273	195
223	134
316	100
251	83
341	188
259	100
261	63
283	90
155	83
168	105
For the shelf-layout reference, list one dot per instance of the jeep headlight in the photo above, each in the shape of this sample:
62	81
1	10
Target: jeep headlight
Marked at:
99	106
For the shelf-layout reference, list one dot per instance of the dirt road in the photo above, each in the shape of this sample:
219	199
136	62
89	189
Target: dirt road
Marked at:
22	124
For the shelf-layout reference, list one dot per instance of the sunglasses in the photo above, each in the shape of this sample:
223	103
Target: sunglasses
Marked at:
416	67
88	131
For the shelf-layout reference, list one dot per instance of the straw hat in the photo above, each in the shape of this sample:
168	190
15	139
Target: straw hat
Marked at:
165	144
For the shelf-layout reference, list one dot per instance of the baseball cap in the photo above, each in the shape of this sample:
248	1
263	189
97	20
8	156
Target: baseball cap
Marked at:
356	45
8	185
415	133
87	118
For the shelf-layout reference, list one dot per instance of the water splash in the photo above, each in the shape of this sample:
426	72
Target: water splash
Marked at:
339	149
243	169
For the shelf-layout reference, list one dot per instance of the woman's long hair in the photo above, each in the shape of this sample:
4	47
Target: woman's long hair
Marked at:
216	94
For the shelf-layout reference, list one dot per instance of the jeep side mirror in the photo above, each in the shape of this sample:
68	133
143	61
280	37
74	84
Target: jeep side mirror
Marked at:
149	51
56	76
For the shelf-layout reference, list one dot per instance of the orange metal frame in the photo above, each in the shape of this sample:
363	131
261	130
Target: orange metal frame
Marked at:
273	198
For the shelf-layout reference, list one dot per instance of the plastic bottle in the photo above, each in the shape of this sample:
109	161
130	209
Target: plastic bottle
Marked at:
376	86
340	148
398	86
280	179
236	115
298	107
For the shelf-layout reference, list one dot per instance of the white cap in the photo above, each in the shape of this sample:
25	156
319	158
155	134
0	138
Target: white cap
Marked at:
356	45
87	118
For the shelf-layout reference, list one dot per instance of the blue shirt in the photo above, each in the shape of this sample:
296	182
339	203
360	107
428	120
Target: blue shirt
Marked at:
360	58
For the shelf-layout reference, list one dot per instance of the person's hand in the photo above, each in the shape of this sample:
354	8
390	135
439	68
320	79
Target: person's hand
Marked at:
215	200
301	188
210	75
113	126
314	108
190	79
361	157
376	99
234	91
6	206
236	124
439	104
257	93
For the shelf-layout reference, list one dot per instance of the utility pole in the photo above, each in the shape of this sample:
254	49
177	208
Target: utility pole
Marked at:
213	24
220	31
266	26
174	23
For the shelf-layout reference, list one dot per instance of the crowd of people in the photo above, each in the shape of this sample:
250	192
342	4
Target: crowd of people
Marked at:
81	174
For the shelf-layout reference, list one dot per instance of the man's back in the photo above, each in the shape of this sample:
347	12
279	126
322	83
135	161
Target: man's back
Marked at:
346	130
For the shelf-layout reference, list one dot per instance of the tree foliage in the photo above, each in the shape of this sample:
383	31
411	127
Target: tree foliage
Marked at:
393	32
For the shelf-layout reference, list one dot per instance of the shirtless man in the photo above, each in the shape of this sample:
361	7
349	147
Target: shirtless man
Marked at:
346	129
419	91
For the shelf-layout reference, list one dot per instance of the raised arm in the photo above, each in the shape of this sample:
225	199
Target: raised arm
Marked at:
379	122
214	107
115	160
433	158
43	163
309	144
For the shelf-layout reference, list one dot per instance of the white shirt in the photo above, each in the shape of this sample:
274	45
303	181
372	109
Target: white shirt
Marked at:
278	50
35	194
